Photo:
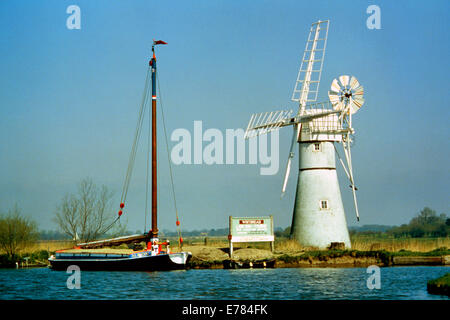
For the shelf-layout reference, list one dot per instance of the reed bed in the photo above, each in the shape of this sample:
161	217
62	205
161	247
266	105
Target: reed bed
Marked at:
49	245
288	246
359	242
372	243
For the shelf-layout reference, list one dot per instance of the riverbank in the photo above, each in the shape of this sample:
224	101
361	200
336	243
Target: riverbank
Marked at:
440	285
32	260
204	257
285	256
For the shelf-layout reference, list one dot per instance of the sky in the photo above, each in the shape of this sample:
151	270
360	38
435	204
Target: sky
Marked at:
69	101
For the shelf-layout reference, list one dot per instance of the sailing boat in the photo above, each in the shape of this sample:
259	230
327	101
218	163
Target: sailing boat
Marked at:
153	258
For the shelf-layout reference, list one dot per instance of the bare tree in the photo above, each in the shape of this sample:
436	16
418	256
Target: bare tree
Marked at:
16	232
67	215
85	216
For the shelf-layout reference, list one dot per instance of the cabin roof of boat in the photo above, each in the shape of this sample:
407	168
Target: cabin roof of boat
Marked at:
99	250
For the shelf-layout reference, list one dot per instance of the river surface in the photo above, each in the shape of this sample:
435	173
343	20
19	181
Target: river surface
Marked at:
397	283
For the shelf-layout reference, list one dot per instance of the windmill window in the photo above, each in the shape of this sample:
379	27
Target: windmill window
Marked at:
316	147
324	205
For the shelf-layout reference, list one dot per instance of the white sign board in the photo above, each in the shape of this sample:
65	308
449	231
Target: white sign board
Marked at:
251	229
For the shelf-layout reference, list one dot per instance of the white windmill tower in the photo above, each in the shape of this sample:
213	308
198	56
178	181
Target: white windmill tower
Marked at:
318	218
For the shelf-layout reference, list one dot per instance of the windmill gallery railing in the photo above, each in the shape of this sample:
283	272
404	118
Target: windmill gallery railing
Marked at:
326	124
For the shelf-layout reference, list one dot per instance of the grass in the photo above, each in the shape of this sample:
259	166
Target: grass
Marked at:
49	245
286	250
440	285
374	243
37	253
359	242
379	246
324	255
34	258
384	256
444	280
371	242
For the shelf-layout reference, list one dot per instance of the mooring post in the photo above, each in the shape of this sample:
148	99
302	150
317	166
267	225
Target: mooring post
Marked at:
230	237
272	243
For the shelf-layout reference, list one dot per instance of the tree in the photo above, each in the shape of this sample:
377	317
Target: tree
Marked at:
16	232
426	224
86	215
283	233
426	217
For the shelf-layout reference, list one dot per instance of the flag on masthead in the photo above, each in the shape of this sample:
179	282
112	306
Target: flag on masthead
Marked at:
159	42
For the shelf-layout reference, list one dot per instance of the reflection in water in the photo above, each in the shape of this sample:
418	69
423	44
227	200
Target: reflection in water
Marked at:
278	284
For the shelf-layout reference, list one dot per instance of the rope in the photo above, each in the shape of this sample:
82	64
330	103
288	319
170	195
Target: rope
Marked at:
133	149
110	226
168	158
131	161
133	156
136	139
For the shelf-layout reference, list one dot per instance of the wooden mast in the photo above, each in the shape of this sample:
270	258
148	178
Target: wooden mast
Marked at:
154	229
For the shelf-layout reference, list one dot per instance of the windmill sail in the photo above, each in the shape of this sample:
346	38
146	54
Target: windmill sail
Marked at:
308	78
295	134
262	123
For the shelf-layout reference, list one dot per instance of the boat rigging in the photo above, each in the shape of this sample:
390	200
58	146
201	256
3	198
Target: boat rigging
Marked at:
153	257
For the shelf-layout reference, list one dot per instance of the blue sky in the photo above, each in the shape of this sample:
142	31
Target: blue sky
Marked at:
70	99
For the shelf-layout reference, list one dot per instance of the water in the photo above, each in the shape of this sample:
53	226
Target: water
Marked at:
397	283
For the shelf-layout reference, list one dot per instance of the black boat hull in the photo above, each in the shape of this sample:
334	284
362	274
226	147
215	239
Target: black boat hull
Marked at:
159	262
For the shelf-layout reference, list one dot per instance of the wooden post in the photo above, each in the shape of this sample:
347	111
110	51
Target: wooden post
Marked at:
230	238
231	249
272	244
